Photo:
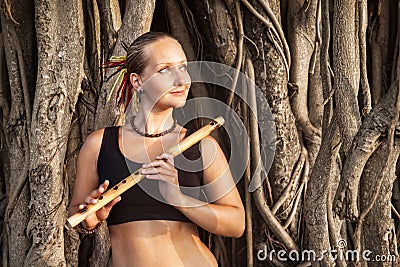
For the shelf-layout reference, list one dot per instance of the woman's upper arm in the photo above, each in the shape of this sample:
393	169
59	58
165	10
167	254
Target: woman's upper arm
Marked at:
221	187
86	179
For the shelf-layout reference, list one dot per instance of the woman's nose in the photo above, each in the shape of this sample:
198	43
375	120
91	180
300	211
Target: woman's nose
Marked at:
181	77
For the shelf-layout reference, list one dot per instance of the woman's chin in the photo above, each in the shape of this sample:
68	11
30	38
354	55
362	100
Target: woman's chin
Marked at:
180	104
170	104
177	102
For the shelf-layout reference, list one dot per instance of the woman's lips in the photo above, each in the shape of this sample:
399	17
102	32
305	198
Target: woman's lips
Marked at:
178	93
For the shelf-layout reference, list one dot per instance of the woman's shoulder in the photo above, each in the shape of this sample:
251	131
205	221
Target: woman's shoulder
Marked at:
209	142
95	136
93	141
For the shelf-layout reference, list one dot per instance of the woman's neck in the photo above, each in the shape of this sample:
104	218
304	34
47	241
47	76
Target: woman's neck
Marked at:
154	121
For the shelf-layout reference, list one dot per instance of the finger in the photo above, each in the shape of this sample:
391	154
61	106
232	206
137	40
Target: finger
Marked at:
105	185
90	200
156	163
97	192
164	179
161	171
103	213
157	177
112	203
166	157
150	170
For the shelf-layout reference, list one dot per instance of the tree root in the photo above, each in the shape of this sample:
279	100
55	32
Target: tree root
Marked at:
259	196
365	143
248	207
383	173
293	181
363	22
240	53
272	32
278	28
20	110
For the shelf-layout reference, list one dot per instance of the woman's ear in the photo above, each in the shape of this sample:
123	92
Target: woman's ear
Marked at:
135	80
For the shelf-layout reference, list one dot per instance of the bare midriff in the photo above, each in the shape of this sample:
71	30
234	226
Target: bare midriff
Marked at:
158	243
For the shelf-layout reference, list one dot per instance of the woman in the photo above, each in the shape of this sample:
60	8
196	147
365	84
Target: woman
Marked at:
146	229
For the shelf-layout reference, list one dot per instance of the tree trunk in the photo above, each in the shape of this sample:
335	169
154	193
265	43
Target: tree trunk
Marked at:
216	24
320	186
137	20
272	82
60	61
344	62
302	41
379	55
17	141
367	140
379	232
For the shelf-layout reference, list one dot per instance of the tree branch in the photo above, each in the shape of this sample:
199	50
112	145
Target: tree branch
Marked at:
363	23
258	194
240	52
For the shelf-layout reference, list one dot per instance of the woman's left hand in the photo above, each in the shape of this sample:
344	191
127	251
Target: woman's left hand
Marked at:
163	169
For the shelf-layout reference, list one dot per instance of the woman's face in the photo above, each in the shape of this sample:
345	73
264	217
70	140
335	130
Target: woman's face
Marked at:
165	81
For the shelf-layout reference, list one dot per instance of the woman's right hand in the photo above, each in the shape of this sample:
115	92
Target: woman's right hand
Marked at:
102	214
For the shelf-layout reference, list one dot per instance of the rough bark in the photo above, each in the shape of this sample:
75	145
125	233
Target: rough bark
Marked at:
302	43
326	79
365	143
322	230
317	197
378	233
16	132
344	62
363	23
110	21
315	106
272	81
216	24
4	160
259	195
379	40
137	20
60	36
24	14
93	60
71	237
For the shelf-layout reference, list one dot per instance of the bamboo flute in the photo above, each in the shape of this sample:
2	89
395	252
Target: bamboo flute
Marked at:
137	176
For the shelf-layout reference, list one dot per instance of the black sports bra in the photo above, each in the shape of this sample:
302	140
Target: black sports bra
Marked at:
142	201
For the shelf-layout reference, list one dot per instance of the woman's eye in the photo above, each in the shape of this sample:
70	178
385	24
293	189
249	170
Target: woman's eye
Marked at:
164	70
183	68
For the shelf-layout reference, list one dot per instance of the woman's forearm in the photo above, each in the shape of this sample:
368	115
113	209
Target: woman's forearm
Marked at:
218	219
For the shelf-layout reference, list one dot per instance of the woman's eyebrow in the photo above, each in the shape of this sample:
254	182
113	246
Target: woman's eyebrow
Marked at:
169	63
